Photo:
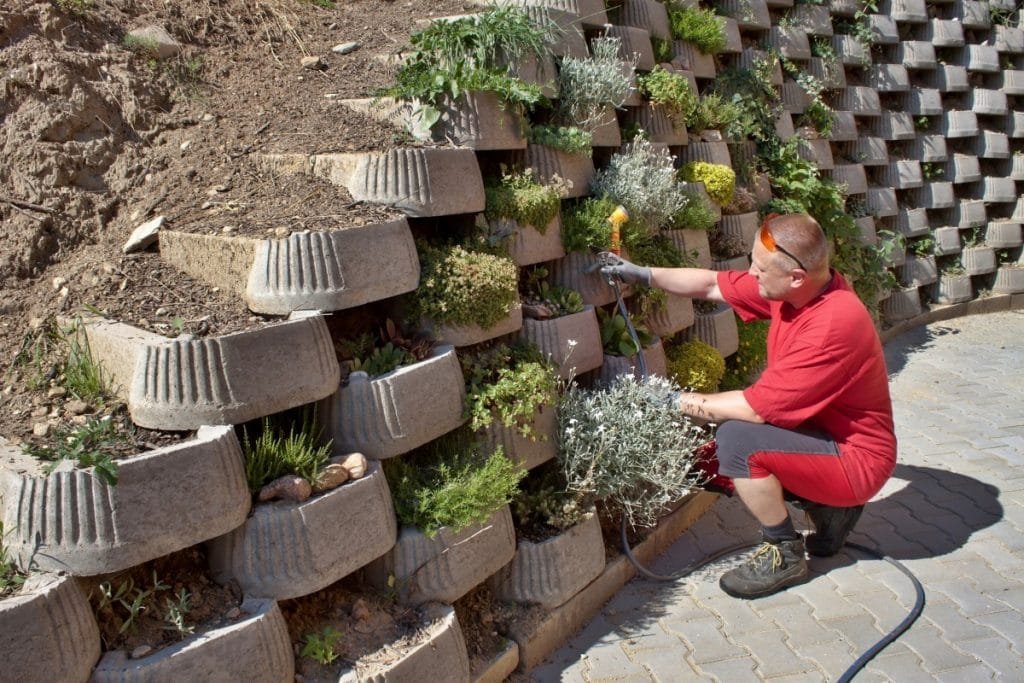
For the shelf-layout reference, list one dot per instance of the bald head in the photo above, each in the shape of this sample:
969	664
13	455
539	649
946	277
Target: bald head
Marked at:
801	235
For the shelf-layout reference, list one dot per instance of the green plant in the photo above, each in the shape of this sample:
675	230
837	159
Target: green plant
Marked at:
699	27
323	4
615	336
753	97
671	91
545	300
953	268
719	180
507	384
131	599
695	365
817	113
89	445
284	446
750	357
628	446
320	646
724	245
175	614
77	8
517	196
10	578
589	87
450	483
662	49
380	355
932	170
141	45
923	246
382	359
82	375
463	286
712	112
695	214
544	501
585	225
568	139
643	179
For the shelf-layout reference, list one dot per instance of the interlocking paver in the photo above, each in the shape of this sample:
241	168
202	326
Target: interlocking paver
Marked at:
953	514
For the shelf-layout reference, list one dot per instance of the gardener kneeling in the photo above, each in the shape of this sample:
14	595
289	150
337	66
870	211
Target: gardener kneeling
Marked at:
818	422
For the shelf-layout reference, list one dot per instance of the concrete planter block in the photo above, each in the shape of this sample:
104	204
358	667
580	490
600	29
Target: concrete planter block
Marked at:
859	99
936	195
675	315
979	260
742	226
48	632
751	56
693	241
918	271
815	19
980	59
528	245
550	572
468	335
1018	210
713	152
970	213
790	41
1012	82
1017	167
912	222
995	190
442	657
693	60
570	40
896	258
947	240
323	271
989	102
903	175
646	14
784	125
843	8
818	151
255	648
866	227
1015	124
699	193
1009	39
884	29
1009	280
741	262
589	13
548	162
286	550
952	289
945	33
850	51
929	148
869	151
718	329
905	11
963	168
1004	235
540	72
902	304
992	145
573	341
613	366
949	78
525	450
72	521
844	127
575	271
480	121
923	102
972	14
959	124
396	412
418	182
774	4
733	41
606	132
795	99
449	565
829	72
882	201
636	43
654	120
749	14
895	125
889	78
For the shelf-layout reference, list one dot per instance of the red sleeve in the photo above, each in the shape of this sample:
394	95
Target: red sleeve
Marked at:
740	291
797	386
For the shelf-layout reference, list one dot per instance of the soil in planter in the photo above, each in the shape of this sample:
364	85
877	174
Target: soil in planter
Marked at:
160	603
375	631
479	614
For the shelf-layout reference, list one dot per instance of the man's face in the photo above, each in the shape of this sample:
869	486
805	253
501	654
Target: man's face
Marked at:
774	280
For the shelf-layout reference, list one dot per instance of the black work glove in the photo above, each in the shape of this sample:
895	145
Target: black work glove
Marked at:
629	273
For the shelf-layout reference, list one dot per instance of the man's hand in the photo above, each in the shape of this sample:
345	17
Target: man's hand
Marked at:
629	273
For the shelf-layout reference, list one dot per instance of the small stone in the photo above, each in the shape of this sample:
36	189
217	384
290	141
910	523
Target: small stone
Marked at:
156	41
141	651
41	411
205	205
41	429
59	282
79	420
354	464
142	322
233	613
77	407
289	487
359	610
185	145
144	235
313	63
228	229
35	323
331	477
345	48
282	232
161	312
57	392
209	118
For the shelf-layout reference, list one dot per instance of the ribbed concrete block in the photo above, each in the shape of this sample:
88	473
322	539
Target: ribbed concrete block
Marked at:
527	451
676	314
712	152
999	189
468	335
963	168
784	125
936	195
1004	234
1017	167
979	260
844	127
733	41
606	132
541	72
286	550
749	14
48	632
481	121
895	258
385	416
693	60
528	245
442	656
992	144
971	213
902	304
972	14
884	29
882	201
850	51
959	124
635	43
889	78
589	13
692	242
570	40
815	19
550	572
449	565
952	289
1012	82
548	162
918	271
1009	280
843	8
1015	124
830	73
614	366
905	11
929	148
750	57
949	78
790	41
980	59
859	99
1008	39
894	125
185	383
869	151
903	174
573	342
717	329
74	522
923	102
988	102
945	33
655	121
576	271
742	226
947	240
114	347
817	151
866	227
852	177
255	648
794	98
646	14
912	222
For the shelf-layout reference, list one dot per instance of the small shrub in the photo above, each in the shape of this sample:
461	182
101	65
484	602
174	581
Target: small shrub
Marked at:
585	225
507	384
749	359
695	215
568	139
643	179
518	197
724	245
589	87
719	180
461	286
542	300
699	27
320	646
662	49
712	112
143	46
176	612
543	501
671	91
274	453
695	365
615	337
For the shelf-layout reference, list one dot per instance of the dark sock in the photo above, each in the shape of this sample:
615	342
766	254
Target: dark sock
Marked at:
783	531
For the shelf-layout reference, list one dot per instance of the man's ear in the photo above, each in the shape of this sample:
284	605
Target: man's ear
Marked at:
799	276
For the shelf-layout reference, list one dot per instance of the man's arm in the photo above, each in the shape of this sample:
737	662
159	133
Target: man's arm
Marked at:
725	405
695	283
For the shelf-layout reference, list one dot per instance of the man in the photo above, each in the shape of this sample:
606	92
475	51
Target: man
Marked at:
817	424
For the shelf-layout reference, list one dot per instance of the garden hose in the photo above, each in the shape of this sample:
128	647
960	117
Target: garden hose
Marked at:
868	654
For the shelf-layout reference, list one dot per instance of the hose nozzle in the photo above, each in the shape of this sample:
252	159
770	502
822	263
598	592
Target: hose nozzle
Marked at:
618	217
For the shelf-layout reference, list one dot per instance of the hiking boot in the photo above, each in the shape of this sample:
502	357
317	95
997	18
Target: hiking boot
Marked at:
774	566
832	525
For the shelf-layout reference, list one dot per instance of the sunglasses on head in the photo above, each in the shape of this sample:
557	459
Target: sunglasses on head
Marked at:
769	243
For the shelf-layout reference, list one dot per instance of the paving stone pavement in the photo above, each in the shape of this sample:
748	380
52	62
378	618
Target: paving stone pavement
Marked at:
953	513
